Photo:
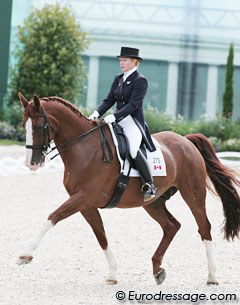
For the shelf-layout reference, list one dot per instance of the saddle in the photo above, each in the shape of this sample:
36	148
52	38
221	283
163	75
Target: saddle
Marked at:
124	152
123	145
127	164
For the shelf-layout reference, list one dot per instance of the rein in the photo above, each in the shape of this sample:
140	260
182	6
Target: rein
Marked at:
107	158
45	146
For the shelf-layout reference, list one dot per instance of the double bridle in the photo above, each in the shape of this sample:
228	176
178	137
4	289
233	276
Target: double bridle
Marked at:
46	148
46	136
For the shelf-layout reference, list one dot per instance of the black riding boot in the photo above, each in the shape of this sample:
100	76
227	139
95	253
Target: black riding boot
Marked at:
148	188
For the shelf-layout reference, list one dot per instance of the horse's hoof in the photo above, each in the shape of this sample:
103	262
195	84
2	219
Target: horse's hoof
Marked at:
160	277
111	281
212	282
22	260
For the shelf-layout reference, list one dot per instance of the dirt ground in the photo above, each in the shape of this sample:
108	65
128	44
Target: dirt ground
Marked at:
69	267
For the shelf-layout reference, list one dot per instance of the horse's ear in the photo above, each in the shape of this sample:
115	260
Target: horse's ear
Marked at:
22	99
36	101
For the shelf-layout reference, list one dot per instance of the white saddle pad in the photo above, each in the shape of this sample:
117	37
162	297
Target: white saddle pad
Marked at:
155	159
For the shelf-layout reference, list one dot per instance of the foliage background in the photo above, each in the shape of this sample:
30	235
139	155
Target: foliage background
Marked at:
223	132
49	62
228	93
48	53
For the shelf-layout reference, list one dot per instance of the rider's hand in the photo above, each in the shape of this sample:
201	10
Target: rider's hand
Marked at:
94	115
110	119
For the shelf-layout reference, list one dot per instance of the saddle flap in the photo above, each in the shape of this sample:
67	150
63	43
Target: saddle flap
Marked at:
122	140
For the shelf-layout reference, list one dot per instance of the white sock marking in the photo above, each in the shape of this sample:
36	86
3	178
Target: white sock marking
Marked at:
211	261
35	241
111	264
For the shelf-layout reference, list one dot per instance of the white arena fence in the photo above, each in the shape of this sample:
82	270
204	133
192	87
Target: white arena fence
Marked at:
229	158
12	166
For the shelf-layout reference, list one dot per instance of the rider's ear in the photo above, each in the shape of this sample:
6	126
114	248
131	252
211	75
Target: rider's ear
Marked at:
36	101
23	99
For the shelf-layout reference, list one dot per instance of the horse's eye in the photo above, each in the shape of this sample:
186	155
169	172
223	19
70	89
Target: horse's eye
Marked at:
37	128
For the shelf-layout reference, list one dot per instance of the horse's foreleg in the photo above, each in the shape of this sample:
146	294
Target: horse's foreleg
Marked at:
157	210
68	208
95	221
112	267
27	255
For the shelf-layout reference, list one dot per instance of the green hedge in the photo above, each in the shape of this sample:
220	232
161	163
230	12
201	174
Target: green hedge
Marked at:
10	132
220	127
223	133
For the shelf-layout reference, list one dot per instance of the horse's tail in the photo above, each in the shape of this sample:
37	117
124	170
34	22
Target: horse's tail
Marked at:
223	179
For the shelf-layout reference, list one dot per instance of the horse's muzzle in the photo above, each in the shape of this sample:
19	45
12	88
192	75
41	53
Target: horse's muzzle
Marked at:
34	166
34	162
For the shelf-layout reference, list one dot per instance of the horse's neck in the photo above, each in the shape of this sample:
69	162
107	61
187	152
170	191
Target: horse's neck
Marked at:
69	124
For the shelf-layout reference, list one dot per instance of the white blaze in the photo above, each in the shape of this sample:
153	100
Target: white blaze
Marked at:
29	141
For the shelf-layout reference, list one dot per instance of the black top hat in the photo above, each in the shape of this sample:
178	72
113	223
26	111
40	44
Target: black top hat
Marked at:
130	53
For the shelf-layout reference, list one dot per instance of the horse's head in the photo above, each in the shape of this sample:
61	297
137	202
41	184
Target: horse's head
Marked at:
38	131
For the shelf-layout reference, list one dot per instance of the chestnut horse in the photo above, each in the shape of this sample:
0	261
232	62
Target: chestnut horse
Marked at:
188	160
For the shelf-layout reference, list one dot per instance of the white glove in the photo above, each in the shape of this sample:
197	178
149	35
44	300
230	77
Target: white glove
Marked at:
94	115
110	119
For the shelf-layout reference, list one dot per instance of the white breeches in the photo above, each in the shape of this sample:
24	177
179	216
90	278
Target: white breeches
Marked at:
132	133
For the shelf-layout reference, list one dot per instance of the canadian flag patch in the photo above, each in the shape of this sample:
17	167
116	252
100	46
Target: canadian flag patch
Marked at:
157	164
155	160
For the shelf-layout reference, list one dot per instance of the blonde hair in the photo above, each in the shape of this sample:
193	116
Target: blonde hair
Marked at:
137	61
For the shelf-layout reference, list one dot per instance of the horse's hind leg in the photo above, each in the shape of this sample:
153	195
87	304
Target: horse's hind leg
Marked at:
158	211
95	221
196	203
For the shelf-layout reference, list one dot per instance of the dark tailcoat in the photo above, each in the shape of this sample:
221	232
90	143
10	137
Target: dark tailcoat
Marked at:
128	96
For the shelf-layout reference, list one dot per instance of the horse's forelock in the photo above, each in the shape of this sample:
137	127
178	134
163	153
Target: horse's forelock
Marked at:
30	111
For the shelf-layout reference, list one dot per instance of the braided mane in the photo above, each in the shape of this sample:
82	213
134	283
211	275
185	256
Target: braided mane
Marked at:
65	103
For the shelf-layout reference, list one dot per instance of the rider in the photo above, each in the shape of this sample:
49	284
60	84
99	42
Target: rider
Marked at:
128	90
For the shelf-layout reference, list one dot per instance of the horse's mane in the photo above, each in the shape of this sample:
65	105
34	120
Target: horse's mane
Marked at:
65	103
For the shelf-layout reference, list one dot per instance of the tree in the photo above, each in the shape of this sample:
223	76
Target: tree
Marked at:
48	50
228	93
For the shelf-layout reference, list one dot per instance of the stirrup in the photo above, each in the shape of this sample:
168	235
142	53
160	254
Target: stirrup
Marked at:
148	191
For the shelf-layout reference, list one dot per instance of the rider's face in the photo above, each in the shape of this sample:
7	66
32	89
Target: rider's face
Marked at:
127	64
